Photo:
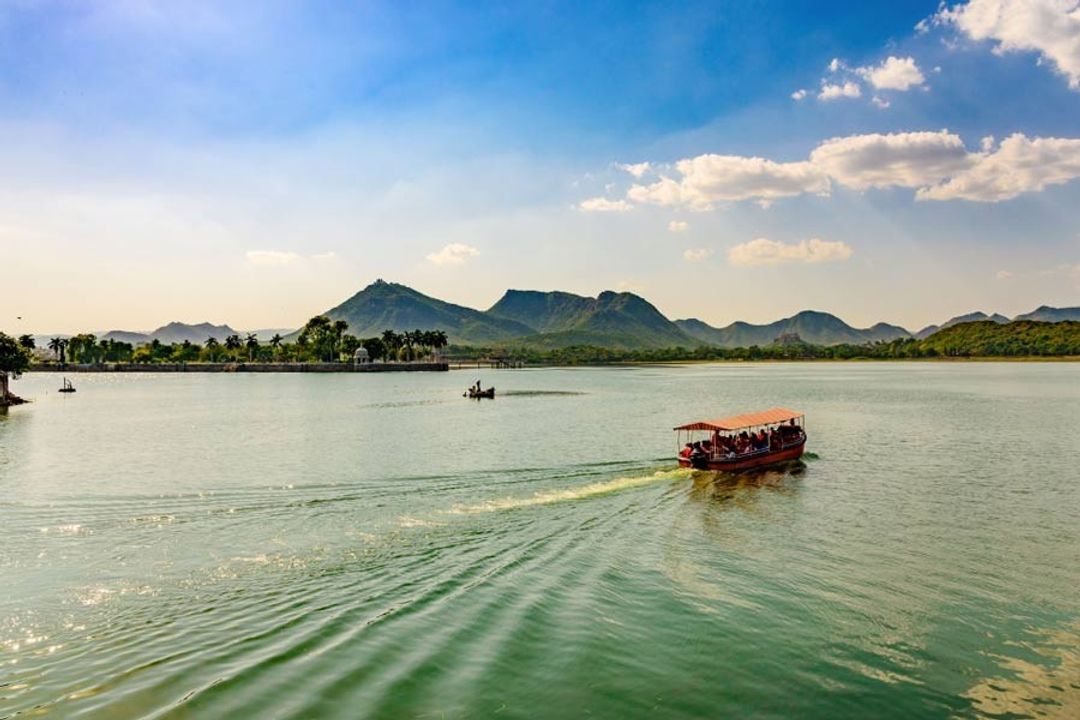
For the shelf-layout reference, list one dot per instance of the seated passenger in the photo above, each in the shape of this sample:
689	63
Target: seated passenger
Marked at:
685	452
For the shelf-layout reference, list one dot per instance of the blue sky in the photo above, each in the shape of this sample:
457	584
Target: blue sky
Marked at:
256	163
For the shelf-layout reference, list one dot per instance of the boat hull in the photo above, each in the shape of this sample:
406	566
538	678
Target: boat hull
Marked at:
736	464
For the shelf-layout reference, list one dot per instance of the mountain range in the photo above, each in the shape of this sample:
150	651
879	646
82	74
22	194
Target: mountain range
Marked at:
618	320
547	320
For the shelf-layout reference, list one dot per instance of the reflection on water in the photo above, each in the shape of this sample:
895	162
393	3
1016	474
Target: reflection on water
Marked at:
740	488
1039	677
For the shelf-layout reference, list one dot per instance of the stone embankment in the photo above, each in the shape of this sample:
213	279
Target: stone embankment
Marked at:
238	367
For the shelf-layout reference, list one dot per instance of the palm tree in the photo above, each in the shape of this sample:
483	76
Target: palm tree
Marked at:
58	346
252	343
275	342
27	342
232	344
212	346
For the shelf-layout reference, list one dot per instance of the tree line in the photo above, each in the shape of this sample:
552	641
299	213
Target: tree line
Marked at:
1025	338
320	340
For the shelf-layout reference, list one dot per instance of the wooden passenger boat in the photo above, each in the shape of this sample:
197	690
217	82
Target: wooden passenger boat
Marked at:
486	393
66	386
733	443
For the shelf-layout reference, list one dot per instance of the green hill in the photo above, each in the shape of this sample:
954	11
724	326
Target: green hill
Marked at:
617	320
987	338
815	328
970	317
382	305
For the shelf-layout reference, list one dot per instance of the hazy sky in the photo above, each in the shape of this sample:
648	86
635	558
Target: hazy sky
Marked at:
258	162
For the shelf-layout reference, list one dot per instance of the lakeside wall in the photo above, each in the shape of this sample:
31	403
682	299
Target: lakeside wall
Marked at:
238	367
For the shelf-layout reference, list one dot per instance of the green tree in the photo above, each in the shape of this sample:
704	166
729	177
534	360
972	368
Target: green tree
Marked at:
14	361
251	342
213	347
275	343
59	347
375	347
27	342
320	335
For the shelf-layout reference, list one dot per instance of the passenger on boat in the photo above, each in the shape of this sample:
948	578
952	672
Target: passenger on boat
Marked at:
686	451
707	447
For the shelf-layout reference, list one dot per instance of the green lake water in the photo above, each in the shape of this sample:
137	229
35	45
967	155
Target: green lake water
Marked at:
352	546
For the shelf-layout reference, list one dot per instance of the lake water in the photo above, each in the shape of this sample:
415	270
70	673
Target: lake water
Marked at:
344	546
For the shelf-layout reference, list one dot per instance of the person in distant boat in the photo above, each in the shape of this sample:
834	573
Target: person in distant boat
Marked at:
707	447
687	451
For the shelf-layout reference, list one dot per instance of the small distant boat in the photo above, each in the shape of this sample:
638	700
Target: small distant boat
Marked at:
67	387
741	442
476	393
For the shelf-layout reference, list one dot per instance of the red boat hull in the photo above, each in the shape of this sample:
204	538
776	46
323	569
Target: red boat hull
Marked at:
745	463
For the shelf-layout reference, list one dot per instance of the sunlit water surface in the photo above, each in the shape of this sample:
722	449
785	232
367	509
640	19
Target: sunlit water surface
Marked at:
343	546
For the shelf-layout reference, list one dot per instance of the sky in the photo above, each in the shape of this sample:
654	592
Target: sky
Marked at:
258	163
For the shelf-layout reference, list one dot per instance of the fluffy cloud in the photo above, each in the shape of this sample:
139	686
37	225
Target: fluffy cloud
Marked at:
697	254
762	251
936	164
893	74
1048	27
707	179
799	94
1019	165
600	204
272	258
897	159
880	102
835	91
677	226
453	254
636	169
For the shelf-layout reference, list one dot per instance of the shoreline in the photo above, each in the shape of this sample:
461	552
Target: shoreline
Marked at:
242	367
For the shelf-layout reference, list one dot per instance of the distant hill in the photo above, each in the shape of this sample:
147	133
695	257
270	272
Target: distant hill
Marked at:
816	328
382	305
988	338
128	336
617	320
178	332
1046	313
970	317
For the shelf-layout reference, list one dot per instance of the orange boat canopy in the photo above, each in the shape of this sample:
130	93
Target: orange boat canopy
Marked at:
738	422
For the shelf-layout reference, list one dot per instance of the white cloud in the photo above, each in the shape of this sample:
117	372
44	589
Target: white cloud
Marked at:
835	65
325	257
897	159
762	251
934	163
677	226
697	254
636	169
707	179
271	257
600	204
1019	165
799	94
453	254
893	74
835	91
880	102
1003	275
1048	27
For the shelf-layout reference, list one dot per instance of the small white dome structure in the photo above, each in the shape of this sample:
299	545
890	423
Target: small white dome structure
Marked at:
361	356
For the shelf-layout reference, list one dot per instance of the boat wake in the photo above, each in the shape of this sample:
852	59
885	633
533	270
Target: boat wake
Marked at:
581	492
